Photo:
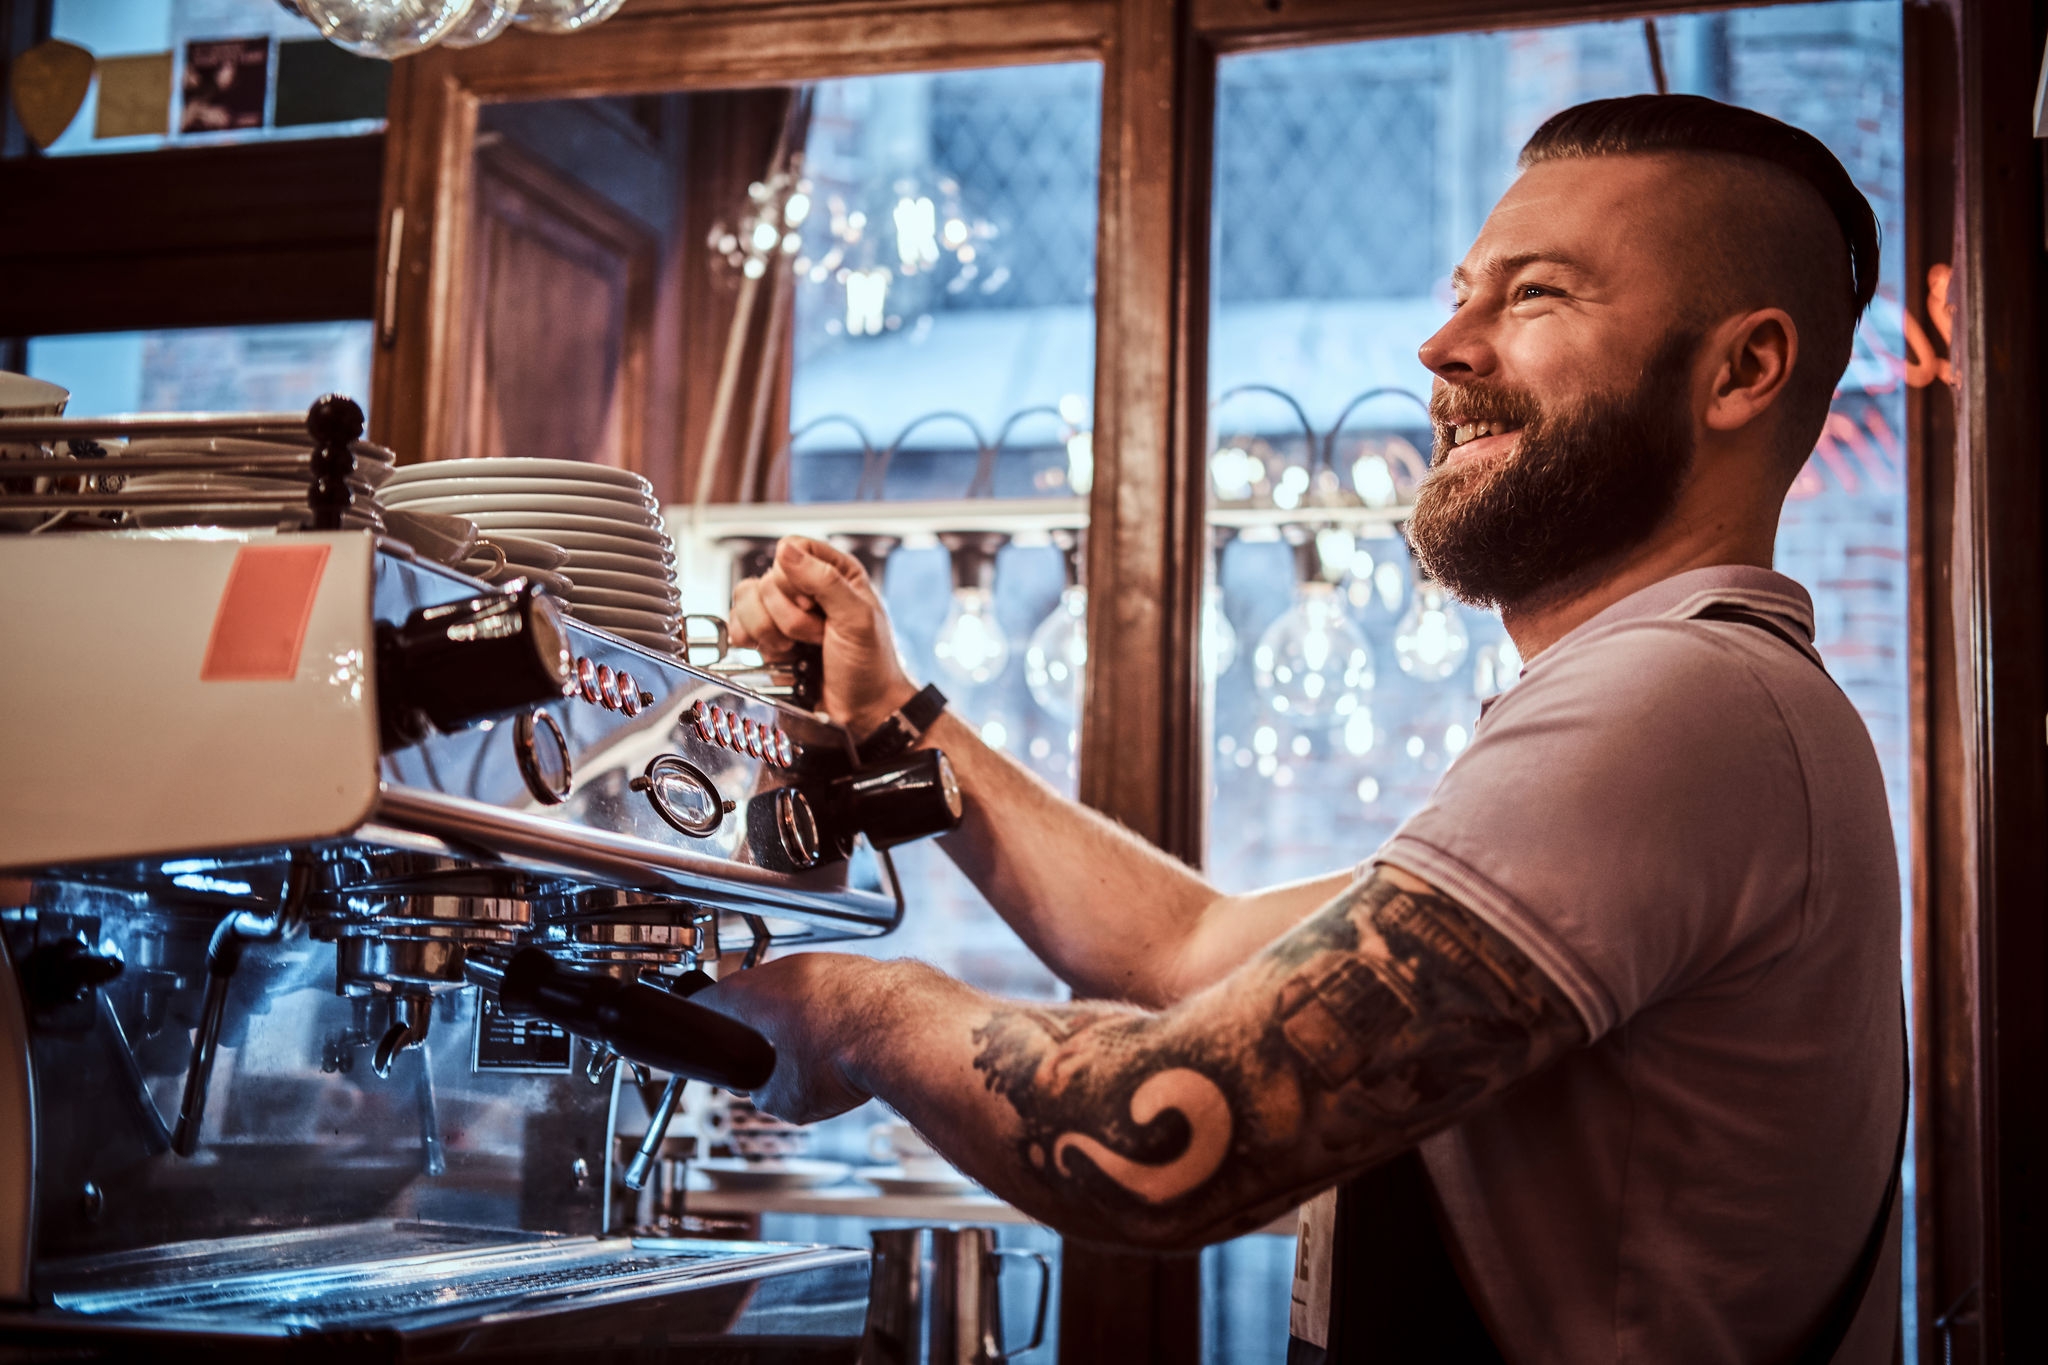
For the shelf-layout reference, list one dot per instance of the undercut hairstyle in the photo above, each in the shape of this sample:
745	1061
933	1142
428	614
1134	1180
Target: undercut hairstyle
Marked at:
1783	226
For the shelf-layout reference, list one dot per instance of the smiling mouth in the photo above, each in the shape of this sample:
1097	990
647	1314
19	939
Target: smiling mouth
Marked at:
1465	432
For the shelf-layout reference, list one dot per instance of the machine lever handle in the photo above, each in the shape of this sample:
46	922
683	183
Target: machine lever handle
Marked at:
642	1023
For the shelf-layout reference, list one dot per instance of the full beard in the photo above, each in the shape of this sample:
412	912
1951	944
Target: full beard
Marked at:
1588	480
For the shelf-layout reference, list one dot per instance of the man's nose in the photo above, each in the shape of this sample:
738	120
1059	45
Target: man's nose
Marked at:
1460	349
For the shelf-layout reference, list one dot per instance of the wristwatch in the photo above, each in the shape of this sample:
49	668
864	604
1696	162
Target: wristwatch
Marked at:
904	727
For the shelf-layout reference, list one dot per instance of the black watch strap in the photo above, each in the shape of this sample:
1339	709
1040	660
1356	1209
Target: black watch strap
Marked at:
904	727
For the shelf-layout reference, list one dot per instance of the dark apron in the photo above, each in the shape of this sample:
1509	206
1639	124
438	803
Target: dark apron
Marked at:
1395	1293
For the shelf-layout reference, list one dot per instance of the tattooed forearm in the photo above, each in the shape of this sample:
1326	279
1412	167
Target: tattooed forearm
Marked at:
1383	1017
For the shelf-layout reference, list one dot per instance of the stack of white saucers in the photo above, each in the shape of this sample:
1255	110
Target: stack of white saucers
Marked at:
237	496
617	560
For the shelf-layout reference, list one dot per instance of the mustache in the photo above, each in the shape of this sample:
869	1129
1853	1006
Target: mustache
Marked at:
1480	401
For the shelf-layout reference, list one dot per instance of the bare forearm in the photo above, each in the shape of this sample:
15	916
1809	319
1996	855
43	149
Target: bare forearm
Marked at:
1378	1021
1108	912
1014	1093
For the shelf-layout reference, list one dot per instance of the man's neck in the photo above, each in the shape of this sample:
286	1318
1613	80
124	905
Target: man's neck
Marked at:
1682	546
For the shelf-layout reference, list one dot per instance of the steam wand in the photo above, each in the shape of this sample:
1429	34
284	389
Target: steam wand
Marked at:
688	984
658	1119
223	955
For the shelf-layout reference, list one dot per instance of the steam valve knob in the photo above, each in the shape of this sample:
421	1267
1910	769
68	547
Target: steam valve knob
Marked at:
910	797
66	972
461	662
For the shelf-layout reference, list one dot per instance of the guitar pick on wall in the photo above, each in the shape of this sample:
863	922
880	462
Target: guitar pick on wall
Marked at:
50	82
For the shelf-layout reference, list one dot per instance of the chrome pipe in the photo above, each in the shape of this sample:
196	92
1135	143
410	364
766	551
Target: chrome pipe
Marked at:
657	1129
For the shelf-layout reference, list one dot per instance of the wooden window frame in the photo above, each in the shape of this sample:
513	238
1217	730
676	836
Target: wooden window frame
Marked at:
1980	784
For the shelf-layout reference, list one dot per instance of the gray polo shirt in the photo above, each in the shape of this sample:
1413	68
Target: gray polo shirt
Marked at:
1684	824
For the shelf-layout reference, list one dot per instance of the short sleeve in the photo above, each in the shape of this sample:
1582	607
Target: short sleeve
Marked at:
1631	816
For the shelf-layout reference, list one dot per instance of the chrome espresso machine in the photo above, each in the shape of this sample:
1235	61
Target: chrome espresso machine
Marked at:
342	899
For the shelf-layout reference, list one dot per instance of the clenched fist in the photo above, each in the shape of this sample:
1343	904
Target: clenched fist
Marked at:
817	595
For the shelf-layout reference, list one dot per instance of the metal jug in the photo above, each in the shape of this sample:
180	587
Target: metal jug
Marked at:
935	1298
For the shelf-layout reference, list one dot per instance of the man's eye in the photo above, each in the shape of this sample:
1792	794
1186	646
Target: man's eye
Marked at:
1531	291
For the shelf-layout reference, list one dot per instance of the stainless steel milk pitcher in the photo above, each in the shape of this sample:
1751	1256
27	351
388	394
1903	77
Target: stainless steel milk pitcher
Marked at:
936	1298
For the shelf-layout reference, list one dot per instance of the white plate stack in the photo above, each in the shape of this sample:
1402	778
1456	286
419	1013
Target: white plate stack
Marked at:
242	498
619	564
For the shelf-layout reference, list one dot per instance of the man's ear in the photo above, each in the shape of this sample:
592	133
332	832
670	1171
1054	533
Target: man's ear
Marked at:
1753	356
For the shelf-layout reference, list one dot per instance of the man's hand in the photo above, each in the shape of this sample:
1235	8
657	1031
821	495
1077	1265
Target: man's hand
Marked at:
811	1006
817	595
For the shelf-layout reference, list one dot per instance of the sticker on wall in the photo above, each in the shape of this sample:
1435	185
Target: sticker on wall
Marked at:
135	96
318	82
225	84
50	82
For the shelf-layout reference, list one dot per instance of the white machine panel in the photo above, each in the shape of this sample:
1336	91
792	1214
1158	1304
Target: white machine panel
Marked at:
179	691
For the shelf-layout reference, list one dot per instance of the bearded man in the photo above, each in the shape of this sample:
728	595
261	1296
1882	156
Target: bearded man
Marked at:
1627	988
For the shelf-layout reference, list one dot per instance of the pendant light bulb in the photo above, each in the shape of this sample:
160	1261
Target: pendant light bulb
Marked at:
970	647
1499	667
1312	666
565	16
482	21
383	28
1219	637
1056	659
1374	480
1431	642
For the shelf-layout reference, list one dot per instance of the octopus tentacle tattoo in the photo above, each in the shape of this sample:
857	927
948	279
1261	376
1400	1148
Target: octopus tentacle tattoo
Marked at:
1383	1017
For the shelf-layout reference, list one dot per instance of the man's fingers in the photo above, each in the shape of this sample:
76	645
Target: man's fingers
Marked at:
751	625
792	620
831	577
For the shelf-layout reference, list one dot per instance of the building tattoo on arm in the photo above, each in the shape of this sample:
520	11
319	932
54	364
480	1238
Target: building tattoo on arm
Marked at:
1381	1018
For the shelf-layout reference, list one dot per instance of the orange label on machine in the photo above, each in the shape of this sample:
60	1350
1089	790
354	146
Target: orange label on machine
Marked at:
261	624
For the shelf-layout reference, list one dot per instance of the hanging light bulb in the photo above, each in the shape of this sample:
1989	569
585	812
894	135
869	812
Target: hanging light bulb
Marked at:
1312	666
1336	551
565	16
1430	642
481	22
1497	668
1056	659
1389	584
1219	637
1373	477
383	28
970	647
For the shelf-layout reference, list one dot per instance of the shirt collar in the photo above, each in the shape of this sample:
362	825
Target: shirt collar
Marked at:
1685	595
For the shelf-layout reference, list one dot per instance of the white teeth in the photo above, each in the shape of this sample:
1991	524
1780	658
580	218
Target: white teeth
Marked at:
1468	431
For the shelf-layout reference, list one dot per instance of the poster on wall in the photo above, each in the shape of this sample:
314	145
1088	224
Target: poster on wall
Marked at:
225	84
135	96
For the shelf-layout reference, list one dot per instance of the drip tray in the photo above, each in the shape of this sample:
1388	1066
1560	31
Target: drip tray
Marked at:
426	1291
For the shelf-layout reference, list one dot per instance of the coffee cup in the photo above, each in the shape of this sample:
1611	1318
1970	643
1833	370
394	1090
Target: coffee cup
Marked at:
23	396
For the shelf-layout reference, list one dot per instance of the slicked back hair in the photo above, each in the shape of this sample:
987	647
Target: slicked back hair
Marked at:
1773	245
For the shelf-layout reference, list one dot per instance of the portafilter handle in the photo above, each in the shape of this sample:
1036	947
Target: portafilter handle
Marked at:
642	1023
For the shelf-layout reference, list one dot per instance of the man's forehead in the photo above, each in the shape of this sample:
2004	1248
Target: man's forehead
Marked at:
1581	215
